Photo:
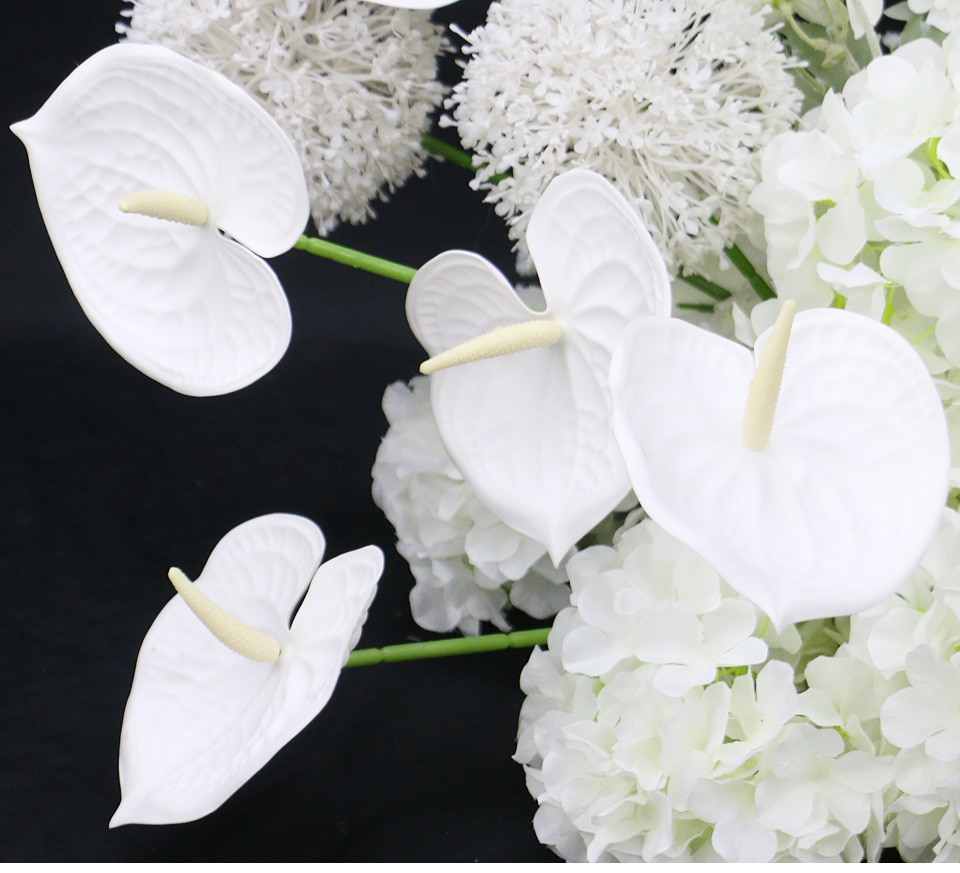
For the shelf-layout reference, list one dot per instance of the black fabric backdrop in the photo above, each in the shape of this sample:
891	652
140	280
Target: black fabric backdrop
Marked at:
107	478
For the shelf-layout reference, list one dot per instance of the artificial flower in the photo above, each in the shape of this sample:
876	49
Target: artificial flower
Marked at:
832	509
724	769
530	431
202	719
672	102
468	565
191	306
352	83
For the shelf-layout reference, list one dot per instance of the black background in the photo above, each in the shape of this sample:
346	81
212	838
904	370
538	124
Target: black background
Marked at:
107	478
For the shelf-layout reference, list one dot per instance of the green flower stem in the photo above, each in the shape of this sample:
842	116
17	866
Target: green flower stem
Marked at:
455	155
352	258
749	272
448	648
711	289
448	152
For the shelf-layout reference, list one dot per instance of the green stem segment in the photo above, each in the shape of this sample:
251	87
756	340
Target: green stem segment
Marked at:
749	272
448	152
448	648
352	258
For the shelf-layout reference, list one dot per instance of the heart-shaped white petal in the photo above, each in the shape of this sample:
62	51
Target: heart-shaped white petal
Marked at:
187	306
201	719
530	432
835	512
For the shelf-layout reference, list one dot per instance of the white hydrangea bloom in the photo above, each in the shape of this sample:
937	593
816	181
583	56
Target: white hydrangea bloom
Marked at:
671	101
941	14
352	83
636	751
468	565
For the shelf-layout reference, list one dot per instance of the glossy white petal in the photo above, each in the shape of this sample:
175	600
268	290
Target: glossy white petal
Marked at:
201	719
530	432
836	511
186	305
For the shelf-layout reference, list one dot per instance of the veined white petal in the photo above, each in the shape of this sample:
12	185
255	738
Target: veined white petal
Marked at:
837	510
530	432
139	117
201	719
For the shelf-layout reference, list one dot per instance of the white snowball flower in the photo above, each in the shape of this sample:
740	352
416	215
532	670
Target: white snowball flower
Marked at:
670	101
353	83
468	565
941	14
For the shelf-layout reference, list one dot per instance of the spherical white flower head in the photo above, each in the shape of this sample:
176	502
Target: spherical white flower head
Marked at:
834	508
182	302
353	83
202	719
530	430
670	101
469	566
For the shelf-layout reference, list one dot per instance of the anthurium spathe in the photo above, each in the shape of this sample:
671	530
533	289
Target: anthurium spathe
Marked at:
202	718
530	430
814	498
138	134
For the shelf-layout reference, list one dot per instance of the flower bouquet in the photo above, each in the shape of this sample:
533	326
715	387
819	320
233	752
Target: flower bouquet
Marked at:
694	453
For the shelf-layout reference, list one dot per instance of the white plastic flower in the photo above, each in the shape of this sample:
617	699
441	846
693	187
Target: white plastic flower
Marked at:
352	82
530	430
469	566
185	300
813	480
202	719
672	102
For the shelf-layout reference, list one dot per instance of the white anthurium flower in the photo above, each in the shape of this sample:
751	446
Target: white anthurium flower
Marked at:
814	481
138	134
206	712
530	430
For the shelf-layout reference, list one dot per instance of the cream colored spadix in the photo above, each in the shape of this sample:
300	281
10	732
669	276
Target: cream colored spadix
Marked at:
761	403
233	633
504	340
167	205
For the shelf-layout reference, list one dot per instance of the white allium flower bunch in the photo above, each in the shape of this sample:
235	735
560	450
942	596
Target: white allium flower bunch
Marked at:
664	722
352	83
468	565
671	100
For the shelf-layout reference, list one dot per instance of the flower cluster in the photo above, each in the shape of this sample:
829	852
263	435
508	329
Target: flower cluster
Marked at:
670	101
352	83
678	738
468	565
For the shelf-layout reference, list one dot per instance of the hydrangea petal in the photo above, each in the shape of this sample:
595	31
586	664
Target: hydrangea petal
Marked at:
201	719
137	117
530	431
837	510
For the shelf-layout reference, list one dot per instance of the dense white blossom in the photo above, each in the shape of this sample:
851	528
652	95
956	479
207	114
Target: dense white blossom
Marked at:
352	83
468	565
671	101
633	759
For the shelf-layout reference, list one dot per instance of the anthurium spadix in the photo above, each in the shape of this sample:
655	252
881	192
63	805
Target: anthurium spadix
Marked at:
529	428
811	473
232	669
163	185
